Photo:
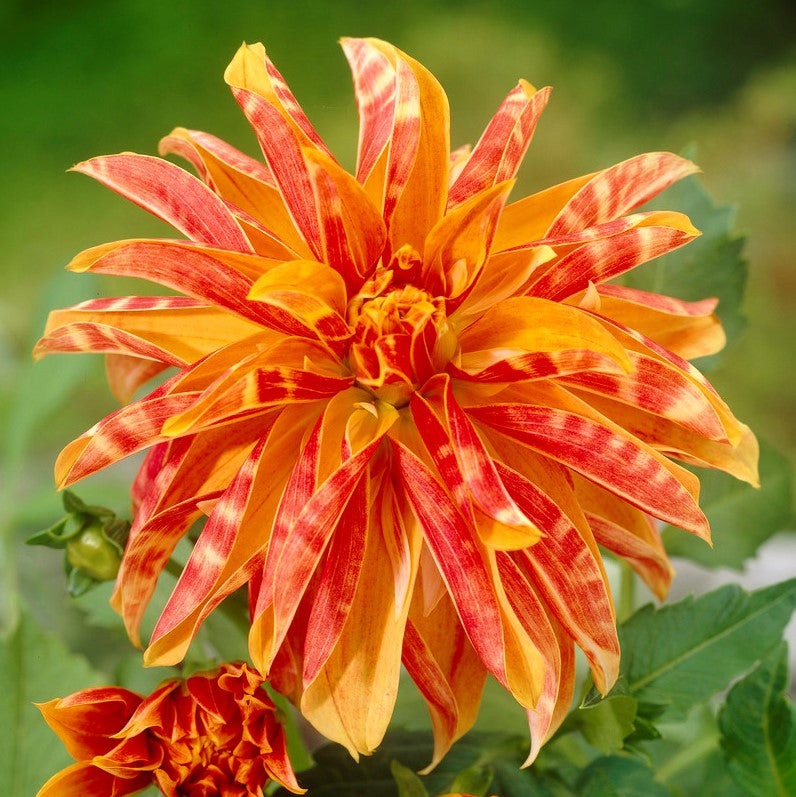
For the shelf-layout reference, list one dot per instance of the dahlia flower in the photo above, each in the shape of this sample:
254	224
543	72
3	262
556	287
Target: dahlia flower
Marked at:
214	733
411	412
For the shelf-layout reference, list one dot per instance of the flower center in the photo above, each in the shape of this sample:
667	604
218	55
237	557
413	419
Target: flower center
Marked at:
401	333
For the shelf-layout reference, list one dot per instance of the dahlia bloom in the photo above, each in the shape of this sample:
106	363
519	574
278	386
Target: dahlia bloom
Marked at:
411	412
214	733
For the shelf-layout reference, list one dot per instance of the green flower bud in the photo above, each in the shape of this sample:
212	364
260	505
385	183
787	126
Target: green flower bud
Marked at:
92	552
94	540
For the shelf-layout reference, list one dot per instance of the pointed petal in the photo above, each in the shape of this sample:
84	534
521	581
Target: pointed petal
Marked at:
253	70
531	612
86	720
657	388
467	469
168	192
619	463
604	258
126	373
374	86
529	219
351	700
629	533
618	190
245	557
337	583
118	435
501	148
284	155
527	325
568	578
202	274
470	576
689	329
90	781
352	230
174	329
211	551
248	188
312	293
417	165
447	671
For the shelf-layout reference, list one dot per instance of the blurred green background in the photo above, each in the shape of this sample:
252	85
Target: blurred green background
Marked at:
86	77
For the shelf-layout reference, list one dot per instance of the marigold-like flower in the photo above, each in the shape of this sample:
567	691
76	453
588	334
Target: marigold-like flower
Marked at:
410	411
211	734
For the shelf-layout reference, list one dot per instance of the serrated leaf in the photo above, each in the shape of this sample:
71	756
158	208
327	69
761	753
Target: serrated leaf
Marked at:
619	776
409	784
712	265
758	729
682	654
742	517
34	666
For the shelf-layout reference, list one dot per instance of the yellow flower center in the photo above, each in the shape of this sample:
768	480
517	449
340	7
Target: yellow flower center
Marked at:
402	336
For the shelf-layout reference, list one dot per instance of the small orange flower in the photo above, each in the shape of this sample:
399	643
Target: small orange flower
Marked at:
410	411
211	734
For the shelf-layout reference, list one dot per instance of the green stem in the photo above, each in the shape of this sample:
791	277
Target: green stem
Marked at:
627	592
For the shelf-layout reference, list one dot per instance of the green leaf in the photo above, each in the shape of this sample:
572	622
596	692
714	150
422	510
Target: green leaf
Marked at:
336	774
758	729
34	666
712	265
473	780
409	784
682	654
608	723
619	776
742	517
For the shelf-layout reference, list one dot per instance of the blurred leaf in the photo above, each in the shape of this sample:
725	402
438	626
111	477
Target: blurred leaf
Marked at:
409	784
474	780
619	776
34	666
499	711
605	725
44	386
336	774
712	265
758	729
742	517
682	654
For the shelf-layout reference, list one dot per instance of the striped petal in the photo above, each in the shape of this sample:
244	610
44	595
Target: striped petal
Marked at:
173	329
449	674
500	150
605	258
248	188
202	274
689	329
564	571
467	469
620	189
629	533
494	631
171	194
251	69
619	463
